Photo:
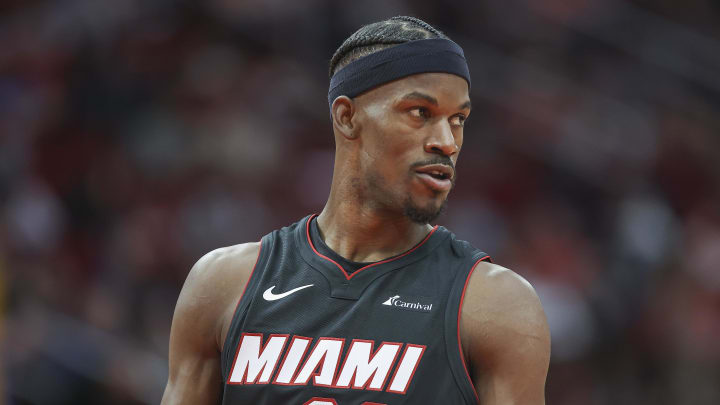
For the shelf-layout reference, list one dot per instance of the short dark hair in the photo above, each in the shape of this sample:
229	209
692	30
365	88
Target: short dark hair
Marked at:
380	35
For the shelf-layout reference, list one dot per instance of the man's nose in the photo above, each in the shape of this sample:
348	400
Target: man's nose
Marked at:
441	140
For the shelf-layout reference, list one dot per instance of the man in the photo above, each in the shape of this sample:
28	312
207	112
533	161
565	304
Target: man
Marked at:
366	303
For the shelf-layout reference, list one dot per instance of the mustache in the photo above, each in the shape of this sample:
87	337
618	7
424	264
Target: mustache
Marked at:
437	160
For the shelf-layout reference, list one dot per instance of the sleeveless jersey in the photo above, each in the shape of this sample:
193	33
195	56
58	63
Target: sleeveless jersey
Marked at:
307	333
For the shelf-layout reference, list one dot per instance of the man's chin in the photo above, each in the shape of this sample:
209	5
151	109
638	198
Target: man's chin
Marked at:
423	214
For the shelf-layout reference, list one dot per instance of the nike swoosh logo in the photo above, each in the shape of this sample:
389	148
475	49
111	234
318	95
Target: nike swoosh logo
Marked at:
269	296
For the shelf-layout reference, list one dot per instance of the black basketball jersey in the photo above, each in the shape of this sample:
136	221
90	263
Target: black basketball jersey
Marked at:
305	332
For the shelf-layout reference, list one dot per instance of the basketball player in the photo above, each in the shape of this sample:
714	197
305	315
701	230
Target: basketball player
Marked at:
366	303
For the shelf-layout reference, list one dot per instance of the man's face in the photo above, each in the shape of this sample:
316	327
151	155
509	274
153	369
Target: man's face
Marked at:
411	132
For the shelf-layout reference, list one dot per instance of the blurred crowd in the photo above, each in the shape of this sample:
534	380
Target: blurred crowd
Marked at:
135	136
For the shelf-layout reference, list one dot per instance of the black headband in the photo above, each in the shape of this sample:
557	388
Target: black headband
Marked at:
436	55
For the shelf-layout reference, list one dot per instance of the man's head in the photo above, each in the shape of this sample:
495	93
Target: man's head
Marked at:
380	35
398	114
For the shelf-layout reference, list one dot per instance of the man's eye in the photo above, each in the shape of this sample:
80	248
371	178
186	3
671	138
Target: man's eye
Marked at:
420	112
458	120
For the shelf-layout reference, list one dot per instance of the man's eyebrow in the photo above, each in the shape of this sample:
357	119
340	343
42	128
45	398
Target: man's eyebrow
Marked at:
422	96
465	105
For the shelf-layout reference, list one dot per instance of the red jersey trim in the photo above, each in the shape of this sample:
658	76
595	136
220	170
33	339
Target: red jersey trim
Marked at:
462	298
348	277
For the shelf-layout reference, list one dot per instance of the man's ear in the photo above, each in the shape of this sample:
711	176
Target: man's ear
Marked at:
343	111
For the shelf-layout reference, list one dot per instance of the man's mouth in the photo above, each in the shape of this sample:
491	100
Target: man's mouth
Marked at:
438	176
437	171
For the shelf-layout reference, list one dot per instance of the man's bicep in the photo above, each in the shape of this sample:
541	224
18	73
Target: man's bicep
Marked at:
517	374
194	380
201	318
194	358
508	338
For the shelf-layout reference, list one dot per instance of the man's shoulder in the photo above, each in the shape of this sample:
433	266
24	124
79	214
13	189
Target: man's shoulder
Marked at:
225	264
229	256
504	332
489	276
214	278
210	292
502	300
494	276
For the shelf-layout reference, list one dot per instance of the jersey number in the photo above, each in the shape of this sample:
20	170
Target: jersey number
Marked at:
330	401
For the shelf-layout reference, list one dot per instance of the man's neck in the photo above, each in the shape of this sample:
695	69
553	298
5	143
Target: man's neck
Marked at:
362	234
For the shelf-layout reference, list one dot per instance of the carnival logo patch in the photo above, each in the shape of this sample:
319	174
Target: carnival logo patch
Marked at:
419	304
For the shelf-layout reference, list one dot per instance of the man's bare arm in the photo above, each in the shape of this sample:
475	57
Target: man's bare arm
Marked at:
202	315
505	337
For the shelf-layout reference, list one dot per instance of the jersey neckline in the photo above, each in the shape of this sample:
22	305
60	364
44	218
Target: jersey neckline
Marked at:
349	266
350	286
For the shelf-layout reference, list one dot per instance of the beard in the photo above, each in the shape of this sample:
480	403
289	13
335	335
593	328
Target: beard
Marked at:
387	197
423	215
428	213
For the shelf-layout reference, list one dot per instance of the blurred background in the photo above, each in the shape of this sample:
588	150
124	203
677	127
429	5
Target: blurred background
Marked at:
137	135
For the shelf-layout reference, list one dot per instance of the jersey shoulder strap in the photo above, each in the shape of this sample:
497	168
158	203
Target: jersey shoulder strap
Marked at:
470	257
